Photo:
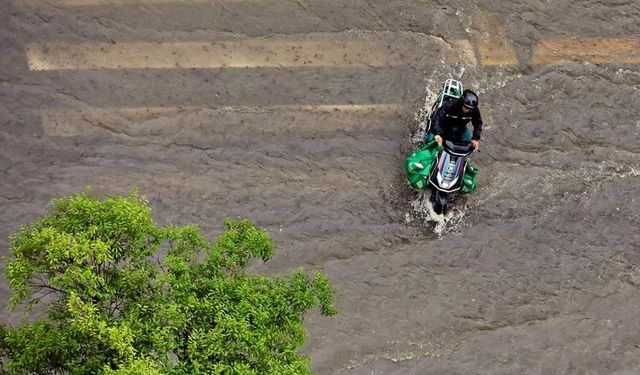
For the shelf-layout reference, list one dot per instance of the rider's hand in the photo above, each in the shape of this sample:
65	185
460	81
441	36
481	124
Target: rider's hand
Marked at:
476	145
438	139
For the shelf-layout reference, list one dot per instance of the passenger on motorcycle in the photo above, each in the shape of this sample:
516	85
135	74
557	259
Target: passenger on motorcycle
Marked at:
451	119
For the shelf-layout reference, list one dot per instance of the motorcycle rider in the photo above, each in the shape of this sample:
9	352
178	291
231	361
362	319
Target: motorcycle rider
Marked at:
451	119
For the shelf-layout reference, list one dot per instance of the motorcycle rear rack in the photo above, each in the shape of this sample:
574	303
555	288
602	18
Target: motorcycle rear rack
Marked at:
450	89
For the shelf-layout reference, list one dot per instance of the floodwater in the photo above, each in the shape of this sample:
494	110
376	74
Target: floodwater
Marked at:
298	115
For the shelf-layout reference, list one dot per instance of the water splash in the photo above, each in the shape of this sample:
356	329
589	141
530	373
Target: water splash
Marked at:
422	209
423	115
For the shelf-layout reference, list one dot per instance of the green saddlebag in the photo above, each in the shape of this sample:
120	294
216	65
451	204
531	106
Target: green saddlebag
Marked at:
418	164
469	178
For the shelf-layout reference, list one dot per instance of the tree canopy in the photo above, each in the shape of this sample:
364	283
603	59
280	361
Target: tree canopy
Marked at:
122	295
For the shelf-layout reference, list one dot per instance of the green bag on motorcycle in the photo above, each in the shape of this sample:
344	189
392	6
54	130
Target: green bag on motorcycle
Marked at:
418	166
469	184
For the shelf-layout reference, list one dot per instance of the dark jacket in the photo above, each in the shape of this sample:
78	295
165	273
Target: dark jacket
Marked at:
450	122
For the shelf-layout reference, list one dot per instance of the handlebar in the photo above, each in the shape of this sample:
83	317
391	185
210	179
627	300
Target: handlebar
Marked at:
460	149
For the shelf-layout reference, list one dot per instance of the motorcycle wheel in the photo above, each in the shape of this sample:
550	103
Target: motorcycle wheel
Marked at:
439	201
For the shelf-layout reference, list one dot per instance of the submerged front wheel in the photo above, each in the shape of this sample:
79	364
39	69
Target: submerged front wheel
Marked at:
439	199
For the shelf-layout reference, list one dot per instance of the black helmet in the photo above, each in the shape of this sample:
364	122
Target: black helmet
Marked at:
470	99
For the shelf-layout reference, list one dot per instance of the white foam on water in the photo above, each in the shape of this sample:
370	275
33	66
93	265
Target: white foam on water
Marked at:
634	172
423	114
422	209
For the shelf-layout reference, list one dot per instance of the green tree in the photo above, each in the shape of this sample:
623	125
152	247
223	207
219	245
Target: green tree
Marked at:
123	295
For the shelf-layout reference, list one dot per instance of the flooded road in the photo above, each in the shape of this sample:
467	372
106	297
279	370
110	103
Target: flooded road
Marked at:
298	115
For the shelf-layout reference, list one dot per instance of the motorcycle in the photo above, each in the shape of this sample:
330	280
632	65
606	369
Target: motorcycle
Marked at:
448	173
445	169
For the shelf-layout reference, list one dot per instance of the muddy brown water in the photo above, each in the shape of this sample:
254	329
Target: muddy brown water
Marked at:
539	274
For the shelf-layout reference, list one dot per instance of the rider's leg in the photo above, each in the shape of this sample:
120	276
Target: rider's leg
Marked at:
428	137
468	134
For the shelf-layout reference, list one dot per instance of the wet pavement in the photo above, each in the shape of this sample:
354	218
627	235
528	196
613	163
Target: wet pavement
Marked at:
537	274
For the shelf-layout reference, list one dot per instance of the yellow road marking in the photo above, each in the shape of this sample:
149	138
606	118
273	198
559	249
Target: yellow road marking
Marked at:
251	53
491	40
269	180
554	51
313	50
106	2
354	108
196	121
465	49
220	177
